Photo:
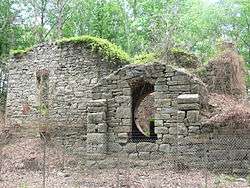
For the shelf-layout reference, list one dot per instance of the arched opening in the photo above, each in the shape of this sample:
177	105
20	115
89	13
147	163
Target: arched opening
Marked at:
143	112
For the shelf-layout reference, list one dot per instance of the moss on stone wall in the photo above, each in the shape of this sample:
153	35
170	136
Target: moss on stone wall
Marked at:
145	58
177	57
106	49
184	59
20	52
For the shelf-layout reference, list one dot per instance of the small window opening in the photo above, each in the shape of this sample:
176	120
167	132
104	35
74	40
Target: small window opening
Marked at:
42	78
143	111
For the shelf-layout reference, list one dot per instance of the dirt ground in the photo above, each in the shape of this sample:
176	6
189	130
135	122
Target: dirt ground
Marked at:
135	178
22	167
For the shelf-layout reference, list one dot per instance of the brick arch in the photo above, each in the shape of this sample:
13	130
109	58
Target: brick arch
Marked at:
110	109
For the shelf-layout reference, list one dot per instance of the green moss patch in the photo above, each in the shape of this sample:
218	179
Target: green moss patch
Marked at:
248	81
184	59
20	52
145	58
106	49
200	72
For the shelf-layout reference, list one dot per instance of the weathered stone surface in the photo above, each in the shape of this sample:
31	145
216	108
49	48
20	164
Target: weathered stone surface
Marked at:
180	76
162	116
97	103
193	129
158	123
169	110
181	115
130	148
126	122
144	155
123	112
182	129
70	79
188	98
179	88
133	156
94	128
146	147
114	147
123	135
96	148
94	118
80	97
122	138
96	138
193	116
161	130
168	139
122	129
191	106
164	148
173	130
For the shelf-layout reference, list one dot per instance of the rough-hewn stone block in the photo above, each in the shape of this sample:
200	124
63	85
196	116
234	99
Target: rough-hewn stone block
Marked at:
164	148
193	116
123	112
130	148
181	115
191	106
182	129
158	123
96	138
173	130
163	130
188	98
193	129
144	155
94	118
97	128
179	88
114	147
146	147
122	129
162	116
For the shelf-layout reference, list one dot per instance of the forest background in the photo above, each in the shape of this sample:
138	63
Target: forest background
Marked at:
137	26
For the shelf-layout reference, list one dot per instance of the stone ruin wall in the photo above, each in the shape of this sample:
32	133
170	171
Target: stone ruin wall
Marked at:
72	71
92	106
110	114
178	100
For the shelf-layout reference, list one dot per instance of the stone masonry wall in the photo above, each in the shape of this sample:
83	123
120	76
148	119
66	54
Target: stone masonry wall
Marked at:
180	133
176	113
72	71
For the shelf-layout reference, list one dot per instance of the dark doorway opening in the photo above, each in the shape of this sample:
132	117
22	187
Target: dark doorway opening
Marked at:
140	93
